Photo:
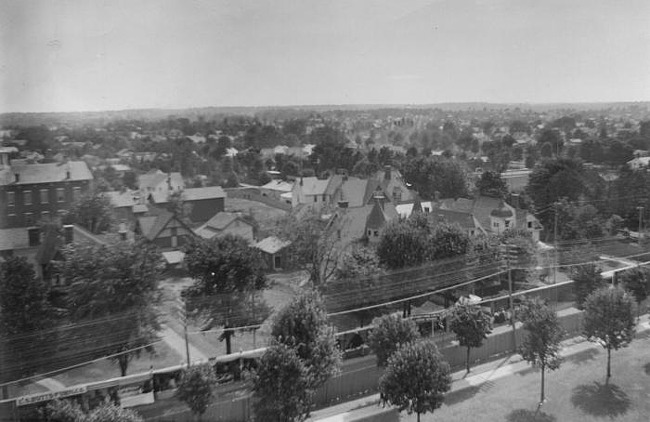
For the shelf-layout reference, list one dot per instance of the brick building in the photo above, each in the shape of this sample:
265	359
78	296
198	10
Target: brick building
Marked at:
32	192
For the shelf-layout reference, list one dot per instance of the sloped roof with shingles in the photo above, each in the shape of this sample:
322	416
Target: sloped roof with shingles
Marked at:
313	185
353	191
197	194
45	173
379	216
272	245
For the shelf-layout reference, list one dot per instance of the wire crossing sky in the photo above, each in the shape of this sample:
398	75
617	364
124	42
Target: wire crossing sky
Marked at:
116	54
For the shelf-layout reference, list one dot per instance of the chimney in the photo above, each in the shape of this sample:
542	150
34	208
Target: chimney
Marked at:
17	177
387	172
68	234
122	231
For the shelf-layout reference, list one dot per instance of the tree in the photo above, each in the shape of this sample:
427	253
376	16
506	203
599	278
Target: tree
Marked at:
312	247
416	379
491	184
92	211
118	282
402	245
586	279
609	320
228	277
436	174
24	312
281	386
541	345
471	326
303	326
357	274
637	282
554	179
390	332
68	411
195	388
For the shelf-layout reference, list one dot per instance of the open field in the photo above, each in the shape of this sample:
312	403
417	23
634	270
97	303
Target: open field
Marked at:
575	392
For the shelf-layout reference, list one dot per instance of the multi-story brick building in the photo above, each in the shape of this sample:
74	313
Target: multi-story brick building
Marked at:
32	192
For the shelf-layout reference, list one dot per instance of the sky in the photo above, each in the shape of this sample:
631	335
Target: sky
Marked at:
85	55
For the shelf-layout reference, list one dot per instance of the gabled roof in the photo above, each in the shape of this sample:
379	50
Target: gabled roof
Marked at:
272	245
464	220
278	185
45	173
121	199
353	191
217	224
313	185
379	216
156	177
197	194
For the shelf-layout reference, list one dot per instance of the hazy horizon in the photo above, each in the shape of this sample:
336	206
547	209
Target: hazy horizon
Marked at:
62	56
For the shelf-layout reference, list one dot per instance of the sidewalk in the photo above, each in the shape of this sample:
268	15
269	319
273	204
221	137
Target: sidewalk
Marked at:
481	376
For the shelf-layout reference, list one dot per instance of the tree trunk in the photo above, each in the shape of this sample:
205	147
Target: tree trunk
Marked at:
227	334
467	359
123	361
609	364
541	400
418	413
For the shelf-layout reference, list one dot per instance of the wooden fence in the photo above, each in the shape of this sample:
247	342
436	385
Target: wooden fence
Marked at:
364	381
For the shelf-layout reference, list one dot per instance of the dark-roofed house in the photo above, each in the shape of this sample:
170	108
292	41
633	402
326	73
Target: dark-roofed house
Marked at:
164	229
274	252
33	192
201	203
226	223
348	225
42	247
311	191
495	215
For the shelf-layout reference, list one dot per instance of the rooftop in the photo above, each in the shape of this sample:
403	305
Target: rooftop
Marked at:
44	173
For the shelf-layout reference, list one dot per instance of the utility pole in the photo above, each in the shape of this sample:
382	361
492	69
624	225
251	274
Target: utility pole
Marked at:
510	252
182	313
555	204
640	209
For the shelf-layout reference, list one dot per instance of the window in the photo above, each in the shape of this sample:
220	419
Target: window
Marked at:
174	241
27	197
530	224
45	215
45	196
11	199
60	195
315	199
376	233
29	219
76	193
507	223
323	198
496	225
427	210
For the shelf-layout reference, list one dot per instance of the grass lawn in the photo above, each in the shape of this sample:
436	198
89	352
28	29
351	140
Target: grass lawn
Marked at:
575	392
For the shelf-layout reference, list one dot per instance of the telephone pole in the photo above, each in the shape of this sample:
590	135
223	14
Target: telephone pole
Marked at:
640	209
555	264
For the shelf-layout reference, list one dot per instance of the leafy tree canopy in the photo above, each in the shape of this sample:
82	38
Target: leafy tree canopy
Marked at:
416	379
390	332
281	386
196	387
303	325
471	326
